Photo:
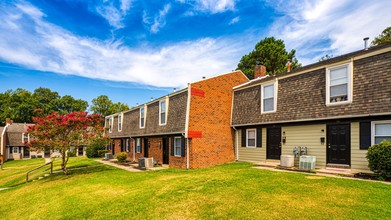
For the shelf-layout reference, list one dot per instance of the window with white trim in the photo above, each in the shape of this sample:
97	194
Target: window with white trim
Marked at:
120	122
178	146
142	117
162	112
15	150
127	145
339	84
26	138
110	124
251	139
269	98
381	131
138	145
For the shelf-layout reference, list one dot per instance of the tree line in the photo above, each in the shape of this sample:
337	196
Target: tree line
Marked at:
21	105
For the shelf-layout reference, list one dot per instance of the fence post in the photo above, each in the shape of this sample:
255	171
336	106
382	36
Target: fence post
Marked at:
51	167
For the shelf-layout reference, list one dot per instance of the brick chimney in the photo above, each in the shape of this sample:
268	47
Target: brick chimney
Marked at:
8	121
259	71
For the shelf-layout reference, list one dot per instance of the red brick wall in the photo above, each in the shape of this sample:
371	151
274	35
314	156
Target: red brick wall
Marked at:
156	149
117	146
176	161
211	115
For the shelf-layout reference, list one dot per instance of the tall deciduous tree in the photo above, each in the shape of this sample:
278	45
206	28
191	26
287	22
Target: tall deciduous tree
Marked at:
104	106
20	104
271	53
64	132
383	38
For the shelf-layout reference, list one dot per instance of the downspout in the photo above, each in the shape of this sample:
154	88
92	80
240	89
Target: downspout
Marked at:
236	143
187	151
187	125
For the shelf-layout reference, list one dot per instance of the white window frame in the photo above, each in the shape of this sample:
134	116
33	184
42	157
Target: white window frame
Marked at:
138	145
17	150
373	129
165	112
28	137
180	146
127	145
120	121
111	125
275	83
255	137
350	84
143	119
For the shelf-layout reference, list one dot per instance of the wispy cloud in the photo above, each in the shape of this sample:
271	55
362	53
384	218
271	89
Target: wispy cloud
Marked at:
233	21
329	26
159	20
211	6
114	12
43	46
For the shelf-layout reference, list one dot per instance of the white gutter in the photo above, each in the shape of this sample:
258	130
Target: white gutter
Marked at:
187	110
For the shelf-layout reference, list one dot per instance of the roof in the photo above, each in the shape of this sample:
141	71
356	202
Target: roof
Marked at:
320	64
18	127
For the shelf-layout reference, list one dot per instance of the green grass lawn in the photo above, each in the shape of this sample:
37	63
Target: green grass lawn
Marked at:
231	191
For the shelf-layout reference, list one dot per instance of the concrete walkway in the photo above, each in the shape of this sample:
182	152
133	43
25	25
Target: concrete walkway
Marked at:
133	167
319	174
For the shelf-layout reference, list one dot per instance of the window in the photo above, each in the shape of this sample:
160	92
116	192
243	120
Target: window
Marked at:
269	94
142	117
127	145
15	150
110	125
162	112
120	122
138	145
251	137
381	131
178	146
26	138
338	85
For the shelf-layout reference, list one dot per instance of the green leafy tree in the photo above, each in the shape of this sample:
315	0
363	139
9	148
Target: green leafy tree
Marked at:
383	38
271	53
104	106
20	105
67	104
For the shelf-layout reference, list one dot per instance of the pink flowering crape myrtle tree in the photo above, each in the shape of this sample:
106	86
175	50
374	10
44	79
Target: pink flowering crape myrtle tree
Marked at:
63	132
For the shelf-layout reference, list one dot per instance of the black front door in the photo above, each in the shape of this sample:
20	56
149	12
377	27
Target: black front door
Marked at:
146	147
273	142
166	151
80	151
26	152
338	144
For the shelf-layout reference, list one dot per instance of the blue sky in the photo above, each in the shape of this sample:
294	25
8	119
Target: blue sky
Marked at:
132	50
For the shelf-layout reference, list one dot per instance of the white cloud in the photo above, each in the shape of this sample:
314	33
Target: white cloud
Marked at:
234	21
329	26
159	20
211	6
46	47
114	13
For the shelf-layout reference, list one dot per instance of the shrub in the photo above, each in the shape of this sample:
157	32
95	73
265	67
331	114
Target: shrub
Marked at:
379	159
71	153
101	153
121	157
94	147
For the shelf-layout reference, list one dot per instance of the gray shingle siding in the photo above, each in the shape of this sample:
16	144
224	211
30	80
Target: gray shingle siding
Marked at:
176	119
303	96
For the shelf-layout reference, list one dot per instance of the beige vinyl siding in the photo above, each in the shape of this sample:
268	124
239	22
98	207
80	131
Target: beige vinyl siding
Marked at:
257	154
306	136
358	160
